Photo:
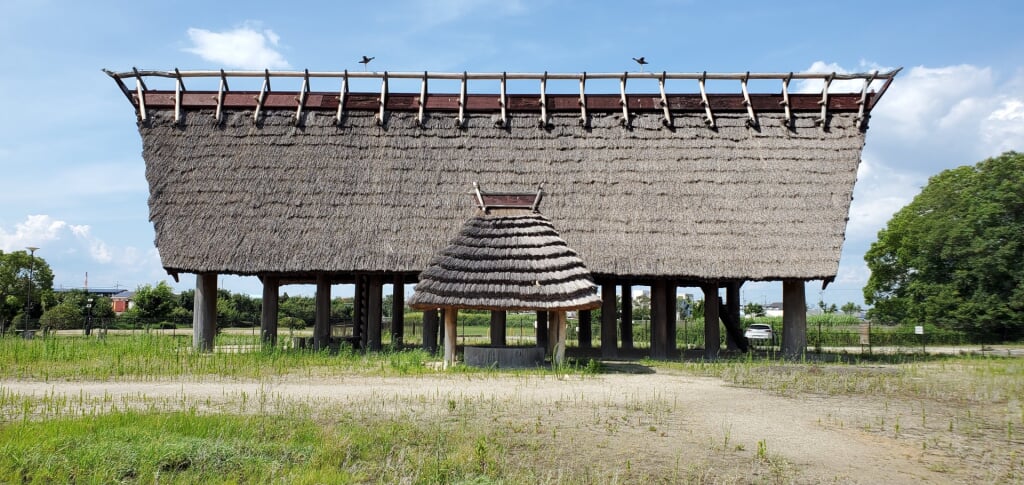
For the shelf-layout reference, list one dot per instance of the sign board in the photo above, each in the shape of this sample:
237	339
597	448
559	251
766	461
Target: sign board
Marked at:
919	330
865	334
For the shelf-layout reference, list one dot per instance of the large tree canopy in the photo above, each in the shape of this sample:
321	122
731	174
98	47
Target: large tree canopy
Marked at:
954	256
15	268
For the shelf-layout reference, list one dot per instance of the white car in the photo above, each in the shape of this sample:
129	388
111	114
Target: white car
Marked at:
760	331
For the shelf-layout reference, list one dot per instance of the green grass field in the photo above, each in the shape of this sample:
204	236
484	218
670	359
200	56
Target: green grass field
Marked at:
966	410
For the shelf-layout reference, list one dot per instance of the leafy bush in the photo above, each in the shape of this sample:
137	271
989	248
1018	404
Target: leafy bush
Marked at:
293	323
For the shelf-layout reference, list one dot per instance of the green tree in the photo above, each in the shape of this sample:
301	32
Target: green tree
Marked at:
849	308
15	268
301	307
101	305
67	314
342	309
155	302
642	307
753	309
954	256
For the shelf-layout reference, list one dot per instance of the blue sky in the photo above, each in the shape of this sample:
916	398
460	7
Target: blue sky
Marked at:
73	179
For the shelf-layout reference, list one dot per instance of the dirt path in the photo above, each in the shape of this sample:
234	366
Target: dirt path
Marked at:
633	418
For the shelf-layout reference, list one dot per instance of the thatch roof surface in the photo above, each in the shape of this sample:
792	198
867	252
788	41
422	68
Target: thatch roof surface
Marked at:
512	260
689	203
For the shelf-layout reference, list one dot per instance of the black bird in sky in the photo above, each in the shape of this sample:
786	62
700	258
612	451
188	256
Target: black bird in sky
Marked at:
640	60
366	60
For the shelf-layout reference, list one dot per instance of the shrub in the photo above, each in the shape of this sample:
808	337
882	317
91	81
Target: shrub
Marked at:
293	323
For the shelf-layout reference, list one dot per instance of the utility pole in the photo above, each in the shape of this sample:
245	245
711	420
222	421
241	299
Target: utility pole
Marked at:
28	300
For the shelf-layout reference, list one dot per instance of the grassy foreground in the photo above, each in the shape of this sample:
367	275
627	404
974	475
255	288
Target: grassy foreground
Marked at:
144	357
184	447
963	416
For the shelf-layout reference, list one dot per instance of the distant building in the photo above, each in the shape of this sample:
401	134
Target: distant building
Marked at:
773	309
122	301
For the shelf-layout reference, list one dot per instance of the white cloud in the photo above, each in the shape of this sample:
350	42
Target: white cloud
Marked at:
880	192
1003	129
245	47
839	85
36	230
852	275
925	99
937	118
59	236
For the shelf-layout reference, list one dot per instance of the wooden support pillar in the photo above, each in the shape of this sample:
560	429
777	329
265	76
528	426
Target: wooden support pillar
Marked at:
734	339
585	335
440	332
552	333
609	339
268	317
322	321
659	320
430	332
558	354
794	319
712	334
542	330
359	311
626	324
498	324
450	335
397	311
374	312
204	312
670	314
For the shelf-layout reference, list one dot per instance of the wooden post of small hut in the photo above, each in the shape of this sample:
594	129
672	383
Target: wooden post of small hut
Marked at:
508	257
430	330
269	304
558	353
204	315
451	333
794	319
499	321
541	330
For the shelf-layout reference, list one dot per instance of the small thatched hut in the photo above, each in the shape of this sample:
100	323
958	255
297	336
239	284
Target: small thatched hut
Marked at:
507	257
694	189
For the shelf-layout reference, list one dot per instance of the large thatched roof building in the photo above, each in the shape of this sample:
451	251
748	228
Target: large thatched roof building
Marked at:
691	189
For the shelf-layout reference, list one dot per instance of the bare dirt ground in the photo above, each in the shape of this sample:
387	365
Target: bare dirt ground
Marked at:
613	427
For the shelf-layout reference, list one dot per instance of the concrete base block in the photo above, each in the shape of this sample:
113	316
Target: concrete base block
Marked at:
504	357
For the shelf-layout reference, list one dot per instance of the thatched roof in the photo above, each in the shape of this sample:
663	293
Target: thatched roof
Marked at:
507	259
688	203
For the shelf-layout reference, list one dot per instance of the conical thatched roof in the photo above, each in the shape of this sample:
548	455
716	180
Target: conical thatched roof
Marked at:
507	259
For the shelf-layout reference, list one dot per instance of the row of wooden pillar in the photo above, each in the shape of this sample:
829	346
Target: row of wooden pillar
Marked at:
367	316
615	329
367	311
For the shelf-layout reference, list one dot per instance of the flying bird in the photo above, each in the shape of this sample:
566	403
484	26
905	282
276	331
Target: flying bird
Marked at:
365	61
640	60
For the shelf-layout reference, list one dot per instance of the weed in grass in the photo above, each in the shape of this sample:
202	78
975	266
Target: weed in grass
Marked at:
762	450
